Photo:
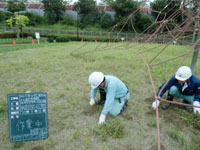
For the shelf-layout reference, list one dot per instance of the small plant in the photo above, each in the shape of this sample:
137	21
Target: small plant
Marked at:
189	118
112	128
152	122
18	144
3	107
175	134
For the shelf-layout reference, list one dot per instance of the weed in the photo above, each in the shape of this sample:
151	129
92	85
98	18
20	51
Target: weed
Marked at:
175	134
3	107
189	118
152	122
61	95
18	144
112	128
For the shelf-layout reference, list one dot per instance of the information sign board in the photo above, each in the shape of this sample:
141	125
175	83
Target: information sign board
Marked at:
28	116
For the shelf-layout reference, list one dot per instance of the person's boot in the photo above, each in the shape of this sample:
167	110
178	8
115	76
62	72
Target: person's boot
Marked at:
125	106
102	97
188	108
165	104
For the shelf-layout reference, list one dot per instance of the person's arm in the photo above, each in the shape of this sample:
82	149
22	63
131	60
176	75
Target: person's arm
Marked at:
171	82
110	97
93	92
93	95
166	88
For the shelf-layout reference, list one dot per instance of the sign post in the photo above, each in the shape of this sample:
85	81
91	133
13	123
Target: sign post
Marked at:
37	35
28	116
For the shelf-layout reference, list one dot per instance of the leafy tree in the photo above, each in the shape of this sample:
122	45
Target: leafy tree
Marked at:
34	18
20	21
87	12
159	6
142	21
15	6
106	20
68	20
53	10
123	9
4	16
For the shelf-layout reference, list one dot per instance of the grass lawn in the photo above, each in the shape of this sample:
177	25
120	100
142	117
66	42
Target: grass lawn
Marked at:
62	71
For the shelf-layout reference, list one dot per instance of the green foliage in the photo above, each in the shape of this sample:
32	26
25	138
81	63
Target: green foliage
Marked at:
142	21
55	8
18	144
112	128
106	20
50	17
4	16
34	18
16	6
88	13
152	122
3	107
123	9
69	37
68	20
159	5
62	39
6	35
20	21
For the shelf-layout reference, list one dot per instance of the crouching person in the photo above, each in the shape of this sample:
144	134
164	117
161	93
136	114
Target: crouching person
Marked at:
113	92
184	85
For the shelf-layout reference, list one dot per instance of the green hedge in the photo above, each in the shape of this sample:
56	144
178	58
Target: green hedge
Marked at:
8	35
68	37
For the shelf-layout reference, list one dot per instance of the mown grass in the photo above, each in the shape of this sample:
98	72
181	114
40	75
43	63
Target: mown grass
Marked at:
62	71
12	48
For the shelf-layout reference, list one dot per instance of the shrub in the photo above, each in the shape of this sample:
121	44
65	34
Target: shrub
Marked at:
34	18
7	35
62	39
106	20
112	128
68	20
4	16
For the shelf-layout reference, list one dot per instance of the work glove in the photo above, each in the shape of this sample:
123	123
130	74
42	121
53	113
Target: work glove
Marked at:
196	109
154	104
92	102
102	119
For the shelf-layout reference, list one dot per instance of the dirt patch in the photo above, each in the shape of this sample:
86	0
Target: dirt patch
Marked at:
154	147
196	123
91	111
37	148
127	117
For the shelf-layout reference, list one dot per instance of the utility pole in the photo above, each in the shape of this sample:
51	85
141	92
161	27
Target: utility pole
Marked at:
196	36
77	19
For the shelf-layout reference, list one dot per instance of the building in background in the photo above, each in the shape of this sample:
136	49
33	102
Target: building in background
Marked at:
37	7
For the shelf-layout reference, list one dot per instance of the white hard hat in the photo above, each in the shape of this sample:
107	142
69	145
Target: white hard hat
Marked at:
95	79
183	73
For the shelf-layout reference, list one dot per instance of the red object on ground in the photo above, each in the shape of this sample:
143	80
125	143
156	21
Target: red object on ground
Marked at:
33	42
96	41
14	42
82	40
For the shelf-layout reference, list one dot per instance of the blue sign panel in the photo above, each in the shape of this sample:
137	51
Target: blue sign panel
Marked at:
28	116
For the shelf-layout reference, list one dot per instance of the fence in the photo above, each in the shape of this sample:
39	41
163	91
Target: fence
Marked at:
184	40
